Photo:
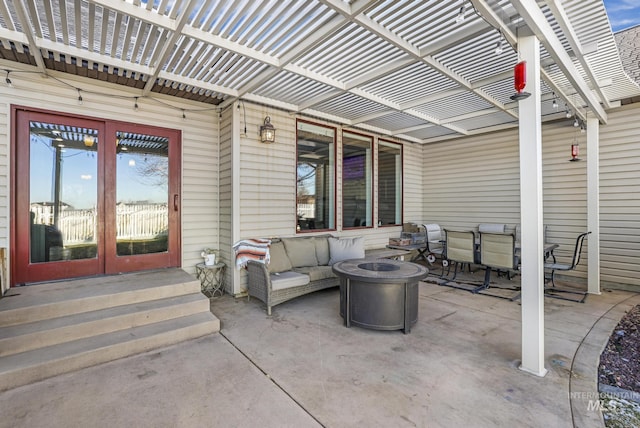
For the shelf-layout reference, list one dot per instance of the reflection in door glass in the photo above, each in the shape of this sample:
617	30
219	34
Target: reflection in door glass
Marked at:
62	192
142	192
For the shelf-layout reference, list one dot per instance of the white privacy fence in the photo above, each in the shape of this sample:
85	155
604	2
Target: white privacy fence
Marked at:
133	221
306	210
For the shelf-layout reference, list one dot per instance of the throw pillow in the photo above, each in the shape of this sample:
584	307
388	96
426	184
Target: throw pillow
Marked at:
279	261
322	250
301	251
345	249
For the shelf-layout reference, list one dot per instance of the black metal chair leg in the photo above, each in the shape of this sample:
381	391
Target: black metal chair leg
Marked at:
549	291
487	279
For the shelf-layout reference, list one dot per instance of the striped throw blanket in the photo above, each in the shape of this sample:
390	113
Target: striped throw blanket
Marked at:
251	249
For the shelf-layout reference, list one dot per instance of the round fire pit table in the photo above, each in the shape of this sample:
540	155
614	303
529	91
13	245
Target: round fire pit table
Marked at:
380	294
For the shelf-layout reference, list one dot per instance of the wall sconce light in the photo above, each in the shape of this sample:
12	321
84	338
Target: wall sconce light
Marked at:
89	140
575	151
267	131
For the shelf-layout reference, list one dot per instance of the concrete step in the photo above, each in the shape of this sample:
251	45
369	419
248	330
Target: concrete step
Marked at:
19	338
53	300
30	366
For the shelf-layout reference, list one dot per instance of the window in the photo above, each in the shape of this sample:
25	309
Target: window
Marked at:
389	183
357	195
315	177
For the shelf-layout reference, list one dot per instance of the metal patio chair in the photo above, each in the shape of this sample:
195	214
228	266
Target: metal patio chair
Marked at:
459	249
434	243
550	290
498	252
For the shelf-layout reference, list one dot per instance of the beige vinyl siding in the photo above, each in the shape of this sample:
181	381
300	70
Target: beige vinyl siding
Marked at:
620	197
268	181
199	143
565	190
414	168
226	199
268	174
477	180
472	180
200	191
4	190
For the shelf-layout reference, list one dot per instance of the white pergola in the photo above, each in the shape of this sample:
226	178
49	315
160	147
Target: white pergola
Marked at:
420	70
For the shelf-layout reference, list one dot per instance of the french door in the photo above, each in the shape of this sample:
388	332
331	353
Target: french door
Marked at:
92	197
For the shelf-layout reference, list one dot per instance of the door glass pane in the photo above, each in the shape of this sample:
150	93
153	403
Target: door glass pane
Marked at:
62	192
142	194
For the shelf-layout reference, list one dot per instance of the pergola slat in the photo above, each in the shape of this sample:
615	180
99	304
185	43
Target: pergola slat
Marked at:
305	55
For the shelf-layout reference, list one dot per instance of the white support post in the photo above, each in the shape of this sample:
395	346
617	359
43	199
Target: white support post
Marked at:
235	192
531	213
593	205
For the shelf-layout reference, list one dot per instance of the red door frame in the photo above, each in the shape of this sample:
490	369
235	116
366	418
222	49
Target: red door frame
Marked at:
107	262
117	264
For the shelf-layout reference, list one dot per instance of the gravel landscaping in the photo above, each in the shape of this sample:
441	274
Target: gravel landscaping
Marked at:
620	368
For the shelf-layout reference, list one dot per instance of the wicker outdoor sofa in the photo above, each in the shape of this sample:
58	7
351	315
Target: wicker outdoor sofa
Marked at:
298	266
302	265
261	286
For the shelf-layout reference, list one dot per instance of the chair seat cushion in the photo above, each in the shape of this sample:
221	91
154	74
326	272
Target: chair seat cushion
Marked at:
317	272
288	279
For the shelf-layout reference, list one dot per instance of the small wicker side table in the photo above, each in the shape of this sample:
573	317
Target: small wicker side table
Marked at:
211	278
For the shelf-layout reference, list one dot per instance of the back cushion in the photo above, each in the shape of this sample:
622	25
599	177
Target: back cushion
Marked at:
491	228
279	261
322	250
433	232
345	249
301	251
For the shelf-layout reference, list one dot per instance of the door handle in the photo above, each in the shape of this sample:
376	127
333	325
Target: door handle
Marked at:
176	200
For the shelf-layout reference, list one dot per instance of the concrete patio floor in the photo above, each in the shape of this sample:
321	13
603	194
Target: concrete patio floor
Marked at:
302	368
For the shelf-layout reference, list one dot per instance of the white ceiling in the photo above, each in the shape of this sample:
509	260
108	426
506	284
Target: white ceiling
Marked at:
407	68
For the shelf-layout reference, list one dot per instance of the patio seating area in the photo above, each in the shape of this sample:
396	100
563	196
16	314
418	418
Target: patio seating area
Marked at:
301	367
141	136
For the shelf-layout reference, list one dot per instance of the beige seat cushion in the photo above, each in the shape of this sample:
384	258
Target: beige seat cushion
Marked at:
317	272
288	279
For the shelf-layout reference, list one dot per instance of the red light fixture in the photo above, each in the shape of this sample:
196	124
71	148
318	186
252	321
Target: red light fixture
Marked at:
520	81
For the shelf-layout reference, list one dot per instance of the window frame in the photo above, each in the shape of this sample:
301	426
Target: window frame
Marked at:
334	208
371	170
401	182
